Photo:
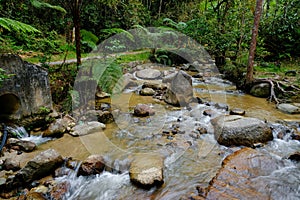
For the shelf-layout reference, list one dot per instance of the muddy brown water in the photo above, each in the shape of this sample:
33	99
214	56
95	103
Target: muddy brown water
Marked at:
188	161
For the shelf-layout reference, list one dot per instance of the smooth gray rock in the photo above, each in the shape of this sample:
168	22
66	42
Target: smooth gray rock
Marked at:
148	74
289	108
87	128
238	130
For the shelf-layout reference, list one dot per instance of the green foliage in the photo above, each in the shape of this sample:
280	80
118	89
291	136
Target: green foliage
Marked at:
4	76
14	25
38	4
177	26
281	31
143	56
106	33
109	79
88	40
107	72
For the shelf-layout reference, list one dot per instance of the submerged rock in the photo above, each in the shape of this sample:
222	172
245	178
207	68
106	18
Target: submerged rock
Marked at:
238	130
147	171
142	110
242	177
289	108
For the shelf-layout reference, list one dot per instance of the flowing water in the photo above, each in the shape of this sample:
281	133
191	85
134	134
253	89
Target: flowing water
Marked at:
190	159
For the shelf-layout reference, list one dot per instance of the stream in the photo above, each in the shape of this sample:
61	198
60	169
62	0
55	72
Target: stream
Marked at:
190	159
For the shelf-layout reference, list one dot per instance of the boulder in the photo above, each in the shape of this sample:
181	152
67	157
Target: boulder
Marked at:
180	91
238	130
87	128
147	92
22	145
288	108
40	166
147	171
58	127
149	74
142	110
94	164
261	90
243	176
128	81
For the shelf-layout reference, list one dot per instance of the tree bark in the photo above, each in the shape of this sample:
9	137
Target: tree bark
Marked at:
249	75
76	20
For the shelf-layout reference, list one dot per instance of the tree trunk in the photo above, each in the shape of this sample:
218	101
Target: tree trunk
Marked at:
249	75
76	20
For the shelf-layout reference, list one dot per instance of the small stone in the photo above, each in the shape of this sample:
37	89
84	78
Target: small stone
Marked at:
147	92
143	110
11	164
94	164
209	112
295	157
237	111
202	130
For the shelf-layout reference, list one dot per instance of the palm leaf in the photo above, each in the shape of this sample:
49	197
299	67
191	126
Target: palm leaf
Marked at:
14	25
38	4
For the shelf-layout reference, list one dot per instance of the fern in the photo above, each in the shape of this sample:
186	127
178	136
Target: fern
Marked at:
112	31
88	38
38	4
13	25
178	26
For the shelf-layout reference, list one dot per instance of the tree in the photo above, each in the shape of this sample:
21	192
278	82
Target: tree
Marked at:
74	6
258	11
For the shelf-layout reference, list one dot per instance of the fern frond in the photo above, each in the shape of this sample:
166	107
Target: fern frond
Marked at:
112	31
14	25
38	4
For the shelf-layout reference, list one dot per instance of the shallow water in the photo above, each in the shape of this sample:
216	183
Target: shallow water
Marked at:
188	160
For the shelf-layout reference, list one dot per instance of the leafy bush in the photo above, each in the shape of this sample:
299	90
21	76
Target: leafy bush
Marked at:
88	40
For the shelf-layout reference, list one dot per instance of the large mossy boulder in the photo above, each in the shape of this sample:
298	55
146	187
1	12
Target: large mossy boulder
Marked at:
237	130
